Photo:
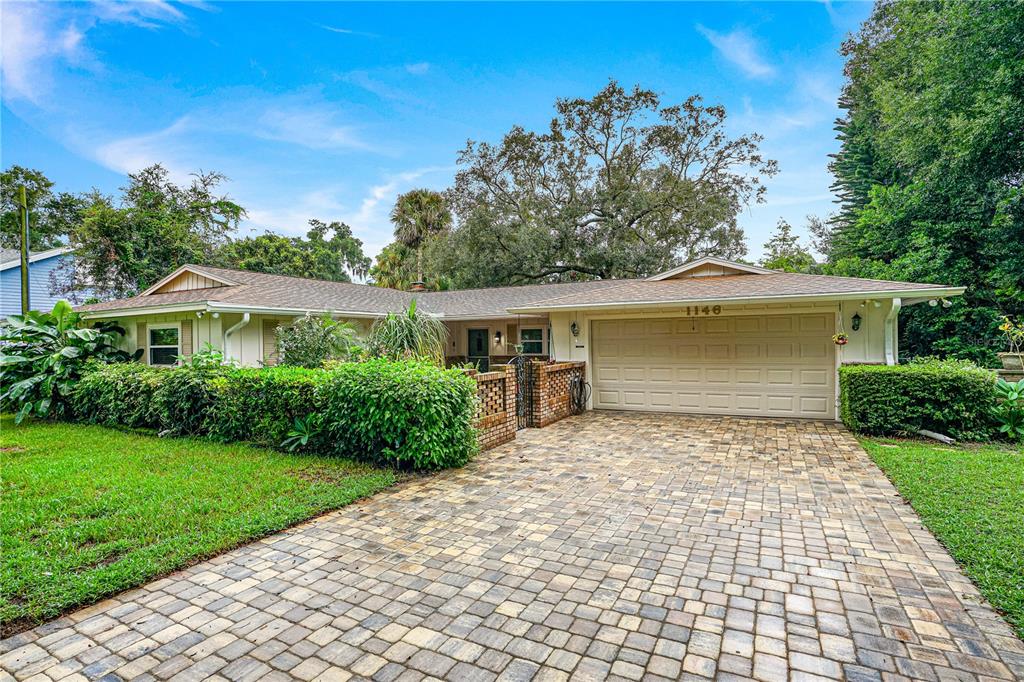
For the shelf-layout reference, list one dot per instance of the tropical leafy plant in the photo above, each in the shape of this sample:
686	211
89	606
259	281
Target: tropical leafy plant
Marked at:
208	356
43	355
1009	409
406	335
313	340
301	432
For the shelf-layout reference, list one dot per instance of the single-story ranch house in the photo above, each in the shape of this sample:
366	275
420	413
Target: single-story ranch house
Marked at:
710	336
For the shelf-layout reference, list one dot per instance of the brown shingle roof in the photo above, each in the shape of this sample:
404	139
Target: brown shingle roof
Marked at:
260	290
776	284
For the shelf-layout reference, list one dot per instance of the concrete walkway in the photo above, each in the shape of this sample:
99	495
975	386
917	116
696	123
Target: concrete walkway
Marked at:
605	546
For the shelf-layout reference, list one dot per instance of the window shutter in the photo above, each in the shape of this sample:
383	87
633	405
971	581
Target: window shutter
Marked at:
270	355
142	341
186	338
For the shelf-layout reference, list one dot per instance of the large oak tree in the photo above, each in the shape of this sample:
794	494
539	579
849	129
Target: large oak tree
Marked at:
617	186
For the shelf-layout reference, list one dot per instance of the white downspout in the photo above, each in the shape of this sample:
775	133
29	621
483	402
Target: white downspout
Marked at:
231	330
890	331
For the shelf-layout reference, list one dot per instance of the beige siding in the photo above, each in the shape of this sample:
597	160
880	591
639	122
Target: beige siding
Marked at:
188	281
270	353
187	345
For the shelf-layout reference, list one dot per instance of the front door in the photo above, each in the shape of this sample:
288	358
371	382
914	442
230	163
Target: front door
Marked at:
478	351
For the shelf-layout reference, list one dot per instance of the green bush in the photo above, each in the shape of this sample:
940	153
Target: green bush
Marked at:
184	399
261	405
952	397
405	414
118	395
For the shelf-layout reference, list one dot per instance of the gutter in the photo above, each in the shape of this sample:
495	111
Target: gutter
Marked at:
231	330
891	353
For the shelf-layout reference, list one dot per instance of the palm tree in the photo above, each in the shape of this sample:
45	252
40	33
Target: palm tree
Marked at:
418	215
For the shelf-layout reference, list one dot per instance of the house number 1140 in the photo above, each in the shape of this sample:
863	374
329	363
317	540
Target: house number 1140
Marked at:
704	310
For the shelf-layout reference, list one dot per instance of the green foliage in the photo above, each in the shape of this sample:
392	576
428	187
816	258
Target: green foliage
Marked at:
400	336
301	433
208	356
185	398
405	414
785	252
929	169
420	215
43	355
952	397
315	257
971	498
1009	409
120	394
261	405
125	246
88	512
51	216
616	186
313	340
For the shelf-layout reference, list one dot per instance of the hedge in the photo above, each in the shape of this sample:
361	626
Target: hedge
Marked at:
405	414
951	397
120	394
261	405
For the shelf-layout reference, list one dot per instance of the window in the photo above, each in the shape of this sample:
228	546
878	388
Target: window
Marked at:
164	344
532	341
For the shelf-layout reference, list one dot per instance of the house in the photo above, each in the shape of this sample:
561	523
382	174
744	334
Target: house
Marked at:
710	336
42	265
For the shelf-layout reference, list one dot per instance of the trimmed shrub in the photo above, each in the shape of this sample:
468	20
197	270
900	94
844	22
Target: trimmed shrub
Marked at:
184	399
953	397
412	415
118	395
261	405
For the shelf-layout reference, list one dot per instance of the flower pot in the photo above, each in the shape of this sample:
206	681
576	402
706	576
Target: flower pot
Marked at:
1012	360
842	342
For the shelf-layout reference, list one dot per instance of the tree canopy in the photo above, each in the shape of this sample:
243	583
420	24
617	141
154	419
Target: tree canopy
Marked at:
318	257
51	216
419	215
617	186
930	173
785	252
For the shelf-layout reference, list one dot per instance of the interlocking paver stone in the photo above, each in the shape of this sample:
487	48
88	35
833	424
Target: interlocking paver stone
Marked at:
609	545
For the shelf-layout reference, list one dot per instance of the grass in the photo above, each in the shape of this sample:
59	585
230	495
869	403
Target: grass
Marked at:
88	511
972	499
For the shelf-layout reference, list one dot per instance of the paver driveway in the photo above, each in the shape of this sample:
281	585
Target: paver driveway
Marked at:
607	545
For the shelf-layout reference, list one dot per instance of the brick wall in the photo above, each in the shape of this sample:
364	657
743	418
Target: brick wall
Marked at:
496	419
551	391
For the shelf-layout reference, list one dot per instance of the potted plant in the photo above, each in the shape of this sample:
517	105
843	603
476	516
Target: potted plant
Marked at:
1014	331
840	339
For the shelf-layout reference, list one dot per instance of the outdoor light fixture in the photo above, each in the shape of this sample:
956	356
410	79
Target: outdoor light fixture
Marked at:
200	314
855	322
946	303
574	328
933	302
497	338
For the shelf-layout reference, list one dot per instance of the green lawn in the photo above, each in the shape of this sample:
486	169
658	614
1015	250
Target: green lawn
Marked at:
972	499
87	511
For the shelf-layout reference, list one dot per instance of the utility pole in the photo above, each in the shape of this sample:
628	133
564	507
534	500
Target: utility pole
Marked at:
23	205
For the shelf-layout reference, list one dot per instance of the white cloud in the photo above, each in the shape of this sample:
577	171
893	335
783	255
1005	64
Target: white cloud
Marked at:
310	127
36	36
346	31
740	48
418	69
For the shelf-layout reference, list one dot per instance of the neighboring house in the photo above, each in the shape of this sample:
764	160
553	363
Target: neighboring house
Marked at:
709	337
42	264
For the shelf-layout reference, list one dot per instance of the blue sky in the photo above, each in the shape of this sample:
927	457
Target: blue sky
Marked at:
329	110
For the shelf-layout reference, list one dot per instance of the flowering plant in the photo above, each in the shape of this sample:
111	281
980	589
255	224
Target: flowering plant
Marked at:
840	339
1014	332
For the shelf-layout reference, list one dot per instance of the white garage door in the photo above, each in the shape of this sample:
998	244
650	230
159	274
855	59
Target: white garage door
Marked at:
770	365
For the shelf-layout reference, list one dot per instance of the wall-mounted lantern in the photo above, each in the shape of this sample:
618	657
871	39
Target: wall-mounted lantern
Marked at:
855	322
574	328
497	338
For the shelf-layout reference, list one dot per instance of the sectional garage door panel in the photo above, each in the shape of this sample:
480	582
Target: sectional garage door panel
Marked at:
776	365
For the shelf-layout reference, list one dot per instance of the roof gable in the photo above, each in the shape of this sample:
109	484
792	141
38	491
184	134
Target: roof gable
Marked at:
709	266
188	278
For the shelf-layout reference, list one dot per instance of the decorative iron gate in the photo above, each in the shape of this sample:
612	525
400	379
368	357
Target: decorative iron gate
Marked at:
524	391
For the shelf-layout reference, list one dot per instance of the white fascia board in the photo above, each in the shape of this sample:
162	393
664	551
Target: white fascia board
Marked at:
36	257
782	298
